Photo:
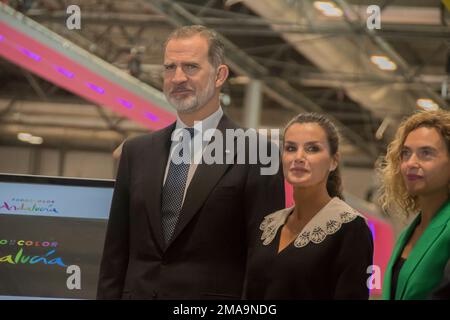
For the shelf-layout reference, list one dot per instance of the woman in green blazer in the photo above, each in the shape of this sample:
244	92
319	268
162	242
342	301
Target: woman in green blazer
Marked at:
416	177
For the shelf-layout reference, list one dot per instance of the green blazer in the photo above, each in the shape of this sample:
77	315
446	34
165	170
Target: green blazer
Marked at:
423	270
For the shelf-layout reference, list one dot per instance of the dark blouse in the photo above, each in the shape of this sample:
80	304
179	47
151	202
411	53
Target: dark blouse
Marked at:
335	268
395	272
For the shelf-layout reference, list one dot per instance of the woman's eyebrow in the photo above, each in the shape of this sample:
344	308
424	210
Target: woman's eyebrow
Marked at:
307	142
427	148
314	142
421	147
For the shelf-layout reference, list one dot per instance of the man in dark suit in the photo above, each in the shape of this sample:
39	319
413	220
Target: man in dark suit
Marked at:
180	231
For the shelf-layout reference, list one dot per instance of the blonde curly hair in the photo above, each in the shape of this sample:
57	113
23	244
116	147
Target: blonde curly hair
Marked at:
393	193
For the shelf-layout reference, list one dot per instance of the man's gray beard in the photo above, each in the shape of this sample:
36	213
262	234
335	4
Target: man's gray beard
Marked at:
195	102
187	105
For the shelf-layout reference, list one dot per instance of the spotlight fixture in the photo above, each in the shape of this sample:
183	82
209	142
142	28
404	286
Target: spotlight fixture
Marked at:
27	137
427	104
328	8
383	62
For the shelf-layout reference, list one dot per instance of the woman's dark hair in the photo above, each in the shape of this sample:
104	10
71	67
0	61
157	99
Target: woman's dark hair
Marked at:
334	182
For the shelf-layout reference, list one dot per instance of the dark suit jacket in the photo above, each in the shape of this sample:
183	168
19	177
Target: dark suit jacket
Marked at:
206	257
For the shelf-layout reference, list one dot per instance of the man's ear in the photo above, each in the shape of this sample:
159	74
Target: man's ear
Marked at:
222	75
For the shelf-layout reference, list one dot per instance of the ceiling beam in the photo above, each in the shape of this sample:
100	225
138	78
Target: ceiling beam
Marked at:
231	25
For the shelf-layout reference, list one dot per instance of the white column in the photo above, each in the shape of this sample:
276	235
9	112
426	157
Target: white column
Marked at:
252	104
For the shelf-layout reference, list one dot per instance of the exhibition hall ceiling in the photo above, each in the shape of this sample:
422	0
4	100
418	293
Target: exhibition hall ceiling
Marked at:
310	56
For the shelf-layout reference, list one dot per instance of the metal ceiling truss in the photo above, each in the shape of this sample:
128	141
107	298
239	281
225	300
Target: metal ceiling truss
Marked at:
404	68
232	23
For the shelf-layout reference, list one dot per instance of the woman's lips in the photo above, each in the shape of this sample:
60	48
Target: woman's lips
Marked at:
299	170
413	177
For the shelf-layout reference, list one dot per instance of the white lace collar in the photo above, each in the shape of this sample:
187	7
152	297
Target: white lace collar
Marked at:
326	222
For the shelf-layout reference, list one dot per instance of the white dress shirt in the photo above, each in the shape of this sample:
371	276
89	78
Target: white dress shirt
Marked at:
210	122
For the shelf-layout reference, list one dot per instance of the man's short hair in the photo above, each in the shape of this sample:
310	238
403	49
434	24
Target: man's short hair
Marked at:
216	47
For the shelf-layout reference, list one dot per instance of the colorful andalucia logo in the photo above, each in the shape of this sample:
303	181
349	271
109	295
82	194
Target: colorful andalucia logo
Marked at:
49	258
23	205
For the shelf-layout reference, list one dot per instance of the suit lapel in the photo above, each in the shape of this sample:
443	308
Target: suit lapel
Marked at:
202	183
396	255
154	180
430	235
401	242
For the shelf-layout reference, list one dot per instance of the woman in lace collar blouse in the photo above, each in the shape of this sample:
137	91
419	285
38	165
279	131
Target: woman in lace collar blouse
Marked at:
321	247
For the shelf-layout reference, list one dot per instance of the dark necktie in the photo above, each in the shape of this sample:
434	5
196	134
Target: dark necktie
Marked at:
173	192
